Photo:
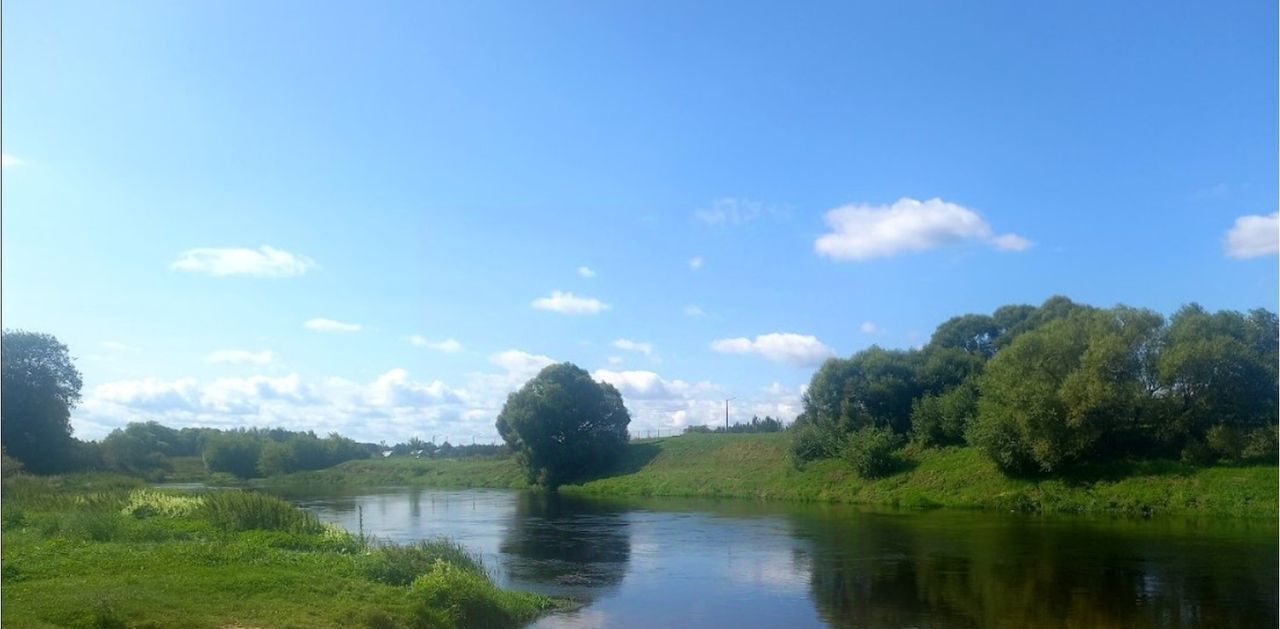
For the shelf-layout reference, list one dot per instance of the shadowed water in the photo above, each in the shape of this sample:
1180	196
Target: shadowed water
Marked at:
704	563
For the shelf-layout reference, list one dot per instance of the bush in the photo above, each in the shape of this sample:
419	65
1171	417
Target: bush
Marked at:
233	453
942	419
811	441
247	510
870	451
396	564
1224	441
452	596
1261	445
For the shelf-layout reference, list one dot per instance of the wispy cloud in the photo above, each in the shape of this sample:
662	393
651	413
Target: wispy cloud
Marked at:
634	346
862	231
797	349
1254	235
868	327
568	303
732	211
585	271
11	160
693	310
695	262
447	346
240	357
321	324
261	262
117	346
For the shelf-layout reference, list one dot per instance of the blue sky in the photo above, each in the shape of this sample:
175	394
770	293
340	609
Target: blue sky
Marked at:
753	187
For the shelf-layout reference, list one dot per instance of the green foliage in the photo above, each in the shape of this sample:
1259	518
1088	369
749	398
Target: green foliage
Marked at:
234	453
564	426
452	596
397	564
39	386
248	510
943	418
870	451
1261	445
768	424
149	502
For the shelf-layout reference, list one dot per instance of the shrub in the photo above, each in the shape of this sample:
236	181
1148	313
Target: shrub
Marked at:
1224	441
450	596
870	451
233	453
246	510
811	441
396	564
943	418
1261	445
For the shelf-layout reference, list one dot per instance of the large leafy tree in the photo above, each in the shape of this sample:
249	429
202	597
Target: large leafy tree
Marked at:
564	426
40	387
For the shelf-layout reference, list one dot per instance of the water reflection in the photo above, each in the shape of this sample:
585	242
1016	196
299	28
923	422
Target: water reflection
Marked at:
582	548
702	563
957	570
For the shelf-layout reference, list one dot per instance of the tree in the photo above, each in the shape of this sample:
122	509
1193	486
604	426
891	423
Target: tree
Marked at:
564	426
40	387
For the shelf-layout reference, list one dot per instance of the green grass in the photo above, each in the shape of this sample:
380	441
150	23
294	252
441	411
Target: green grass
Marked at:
757	466
90	552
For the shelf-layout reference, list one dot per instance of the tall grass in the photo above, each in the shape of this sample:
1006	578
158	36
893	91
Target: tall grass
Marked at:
247	510
400	564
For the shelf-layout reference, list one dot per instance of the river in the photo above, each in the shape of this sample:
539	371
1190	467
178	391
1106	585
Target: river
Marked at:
735	563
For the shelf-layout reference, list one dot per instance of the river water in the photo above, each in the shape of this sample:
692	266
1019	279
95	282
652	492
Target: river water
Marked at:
726	563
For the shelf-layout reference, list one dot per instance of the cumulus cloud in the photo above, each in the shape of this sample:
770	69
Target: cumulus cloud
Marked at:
11	160
396	388
642	384
863	231
261	262
634	346
568	303
240	357
732	211
448	346
521	362
1254	235
321	324
585	271
796	349
695	262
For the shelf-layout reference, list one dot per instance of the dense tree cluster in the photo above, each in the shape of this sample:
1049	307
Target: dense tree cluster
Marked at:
1043	389
564	426
247	453
417	448
768	424
39	388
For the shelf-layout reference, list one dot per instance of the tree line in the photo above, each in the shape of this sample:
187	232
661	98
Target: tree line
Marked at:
1044	389
768	424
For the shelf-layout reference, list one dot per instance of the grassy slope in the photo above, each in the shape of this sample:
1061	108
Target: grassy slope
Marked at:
72	558
756	466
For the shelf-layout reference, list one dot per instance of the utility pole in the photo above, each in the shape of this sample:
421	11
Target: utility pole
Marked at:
726	414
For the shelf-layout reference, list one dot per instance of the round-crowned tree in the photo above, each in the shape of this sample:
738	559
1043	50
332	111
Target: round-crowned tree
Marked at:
40	388
564	426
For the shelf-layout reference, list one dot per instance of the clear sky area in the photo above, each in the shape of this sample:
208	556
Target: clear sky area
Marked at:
379	218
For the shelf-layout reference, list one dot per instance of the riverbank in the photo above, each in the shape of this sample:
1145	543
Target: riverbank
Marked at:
757	466
103	551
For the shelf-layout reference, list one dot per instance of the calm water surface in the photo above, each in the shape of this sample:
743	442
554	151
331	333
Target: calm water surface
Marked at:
703	563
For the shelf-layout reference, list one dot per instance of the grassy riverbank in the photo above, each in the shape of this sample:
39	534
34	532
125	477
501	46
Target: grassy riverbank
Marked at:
757	466
101	551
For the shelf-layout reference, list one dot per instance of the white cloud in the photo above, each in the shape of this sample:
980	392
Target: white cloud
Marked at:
615	360
117	346
695	262
11	160
321	324
642	384
448	346
797	349
862	231
241	357
585	271
868	327
396	388
568	303
521	362
1254	235
694	311
261	262
731	211
634	346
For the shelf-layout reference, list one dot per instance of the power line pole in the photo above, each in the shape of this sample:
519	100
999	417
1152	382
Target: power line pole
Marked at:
726	414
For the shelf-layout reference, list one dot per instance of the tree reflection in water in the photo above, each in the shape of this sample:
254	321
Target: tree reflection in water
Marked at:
580	546
961	569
